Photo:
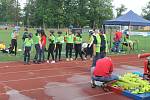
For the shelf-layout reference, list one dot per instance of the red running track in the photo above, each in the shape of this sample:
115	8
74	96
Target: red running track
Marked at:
60	81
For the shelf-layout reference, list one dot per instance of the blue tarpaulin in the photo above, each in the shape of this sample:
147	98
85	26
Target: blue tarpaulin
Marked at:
129	19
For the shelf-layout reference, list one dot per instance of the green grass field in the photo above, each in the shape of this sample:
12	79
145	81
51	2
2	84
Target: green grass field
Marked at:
143	44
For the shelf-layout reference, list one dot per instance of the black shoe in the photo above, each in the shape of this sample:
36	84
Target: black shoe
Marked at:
83	59
38	62
34	61
93	85
43	61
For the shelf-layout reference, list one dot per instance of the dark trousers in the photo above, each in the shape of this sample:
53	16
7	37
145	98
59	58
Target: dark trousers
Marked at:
116	47
58	50
14	45
41	54
69	47
51	51
27	54
89	51
78	51
37	48
97	57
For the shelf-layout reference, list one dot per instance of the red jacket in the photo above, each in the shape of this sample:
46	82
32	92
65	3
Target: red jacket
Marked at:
104	67
43	40
118	36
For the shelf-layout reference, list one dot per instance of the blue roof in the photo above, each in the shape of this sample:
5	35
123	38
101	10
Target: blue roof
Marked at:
129	18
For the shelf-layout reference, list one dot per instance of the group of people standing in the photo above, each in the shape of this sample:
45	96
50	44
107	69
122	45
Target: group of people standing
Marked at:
40	39
96	45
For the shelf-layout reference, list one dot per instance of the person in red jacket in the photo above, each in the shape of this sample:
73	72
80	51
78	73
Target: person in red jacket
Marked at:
117	40
146	63
103	71
42	46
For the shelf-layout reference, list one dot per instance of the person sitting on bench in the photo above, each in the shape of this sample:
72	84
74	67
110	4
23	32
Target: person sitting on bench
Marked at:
8	50
127	42
103	71
2	45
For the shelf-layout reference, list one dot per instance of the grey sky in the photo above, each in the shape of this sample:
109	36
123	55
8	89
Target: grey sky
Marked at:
135	5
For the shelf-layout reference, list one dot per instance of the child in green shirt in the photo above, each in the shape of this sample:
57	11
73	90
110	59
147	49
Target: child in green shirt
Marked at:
59	42
51	48
69	39
37	42
27	48
78	44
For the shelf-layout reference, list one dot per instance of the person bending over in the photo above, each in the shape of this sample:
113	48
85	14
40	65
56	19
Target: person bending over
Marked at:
103	71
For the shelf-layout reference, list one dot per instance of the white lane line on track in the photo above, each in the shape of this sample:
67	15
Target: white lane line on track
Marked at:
44	64
120	55
54	69
70	84
70	62
87	97
64	60
37	77
47	69
42	77
125	62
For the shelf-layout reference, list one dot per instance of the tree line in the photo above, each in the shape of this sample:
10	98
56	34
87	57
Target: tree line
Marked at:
59	13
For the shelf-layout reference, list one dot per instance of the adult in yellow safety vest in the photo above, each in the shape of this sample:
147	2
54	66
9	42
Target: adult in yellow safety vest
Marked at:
96	47
89	50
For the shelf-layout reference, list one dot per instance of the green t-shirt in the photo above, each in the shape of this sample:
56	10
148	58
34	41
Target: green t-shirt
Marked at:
59	39
78	40
70	38
36	39
28	42
51	39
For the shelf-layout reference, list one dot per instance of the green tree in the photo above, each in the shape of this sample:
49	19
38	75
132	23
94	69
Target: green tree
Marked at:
99	10
56	14
10	11
120	10
146	11
29	13
62	13
70	12
82	10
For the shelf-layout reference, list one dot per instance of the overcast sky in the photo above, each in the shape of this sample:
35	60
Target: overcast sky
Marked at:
135	5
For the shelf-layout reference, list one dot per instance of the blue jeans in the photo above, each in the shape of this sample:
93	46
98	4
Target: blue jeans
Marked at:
42	55
37	48
105	79
116	47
